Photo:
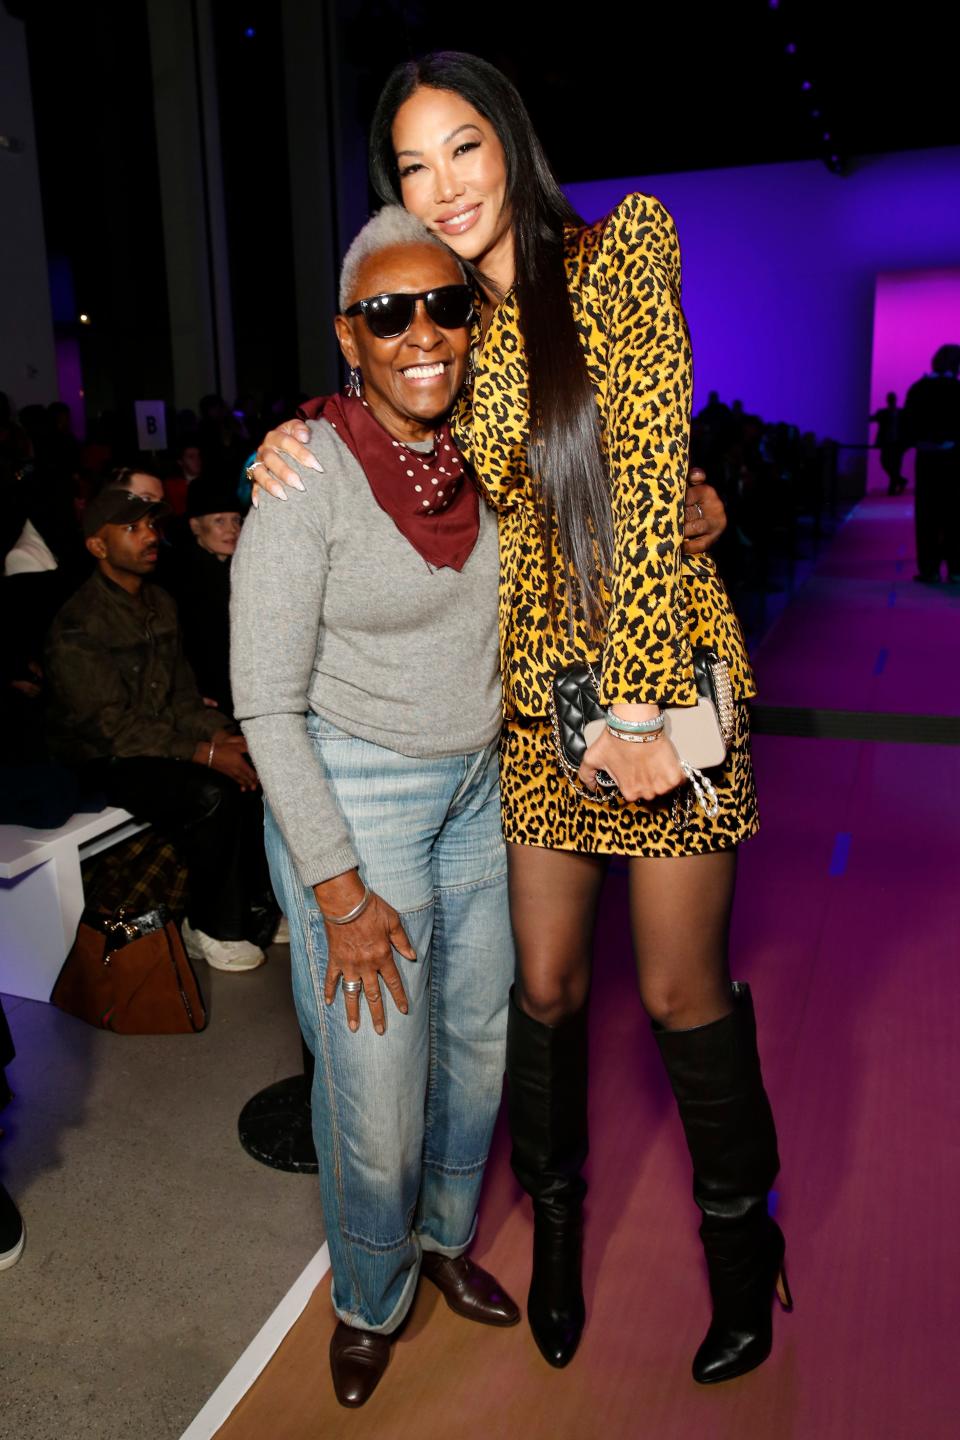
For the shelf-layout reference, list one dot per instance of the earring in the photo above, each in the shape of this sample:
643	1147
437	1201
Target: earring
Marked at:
355	383
471	374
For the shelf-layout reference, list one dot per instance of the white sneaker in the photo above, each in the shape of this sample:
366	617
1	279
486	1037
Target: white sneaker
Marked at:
221	954
13	1232
281	936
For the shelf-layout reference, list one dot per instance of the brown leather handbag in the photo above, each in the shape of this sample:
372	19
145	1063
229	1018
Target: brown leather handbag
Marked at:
130	974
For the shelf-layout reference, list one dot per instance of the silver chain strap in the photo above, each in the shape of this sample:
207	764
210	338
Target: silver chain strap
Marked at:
704	790
573	775
726	710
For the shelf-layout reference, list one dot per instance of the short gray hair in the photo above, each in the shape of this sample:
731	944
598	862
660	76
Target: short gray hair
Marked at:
390	226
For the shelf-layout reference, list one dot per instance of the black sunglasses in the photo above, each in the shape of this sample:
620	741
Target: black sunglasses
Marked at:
450	307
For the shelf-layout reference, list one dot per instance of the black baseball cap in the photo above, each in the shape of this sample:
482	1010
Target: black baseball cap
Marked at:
114	506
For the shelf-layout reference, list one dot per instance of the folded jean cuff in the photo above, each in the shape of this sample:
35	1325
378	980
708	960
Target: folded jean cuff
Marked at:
428	1242
397	1315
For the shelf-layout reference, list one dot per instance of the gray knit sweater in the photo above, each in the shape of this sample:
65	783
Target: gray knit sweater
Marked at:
332	610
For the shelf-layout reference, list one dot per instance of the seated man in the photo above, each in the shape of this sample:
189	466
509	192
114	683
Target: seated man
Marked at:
125	706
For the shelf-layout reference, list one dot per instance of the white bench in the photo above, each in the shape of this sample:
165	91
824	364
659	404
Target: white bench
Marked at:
41	894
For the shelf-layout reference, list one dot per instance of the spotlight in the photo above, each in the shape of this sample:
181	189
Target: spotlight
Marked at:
250	32
791	49
826	136
806	85
84	318
814	114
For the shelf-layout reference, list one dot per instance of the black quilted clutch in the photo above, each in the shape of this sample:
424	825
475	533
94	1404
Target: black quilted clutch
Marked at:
574	702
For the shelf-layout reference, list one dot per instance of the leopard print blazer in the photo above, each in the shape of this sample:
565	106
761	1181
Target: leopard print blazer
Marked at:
623	275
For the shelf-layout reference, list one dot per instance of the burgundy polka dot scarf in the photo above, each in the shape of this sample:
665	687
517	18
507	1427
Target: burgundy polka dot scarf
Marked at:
429	497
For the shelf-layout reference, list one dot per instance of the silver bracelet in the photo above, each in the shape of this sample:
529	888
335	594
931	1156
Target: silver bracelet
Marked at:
635	739
210	755
353	914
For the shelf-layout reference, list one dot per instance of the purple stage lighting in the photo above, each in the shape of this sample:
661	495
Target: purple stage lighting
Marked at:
780	265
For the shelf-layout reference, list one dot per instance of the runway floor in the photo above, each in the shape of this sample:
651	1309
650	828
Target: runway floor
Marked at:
847	926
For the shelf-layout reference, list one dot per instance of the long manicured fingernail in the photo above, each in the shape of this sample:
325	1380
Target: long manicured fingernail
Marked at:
354	1024
279	494
255	501
296	483
314	464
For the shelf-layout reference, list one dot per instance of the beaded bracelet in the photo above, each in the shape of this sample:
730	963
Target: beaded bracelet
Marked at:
634	727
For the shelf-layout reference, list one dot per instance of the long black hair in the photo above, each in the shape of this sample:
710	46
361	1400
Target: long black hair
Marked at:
565	454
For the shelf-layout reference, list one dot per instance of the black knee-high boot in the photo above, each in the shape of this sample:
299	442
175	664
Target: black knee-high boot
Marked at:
715	1074
547	1076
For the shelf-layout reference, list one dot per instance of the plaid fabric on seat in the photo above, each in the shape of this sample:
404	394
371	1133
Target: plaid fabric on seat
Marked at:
137	875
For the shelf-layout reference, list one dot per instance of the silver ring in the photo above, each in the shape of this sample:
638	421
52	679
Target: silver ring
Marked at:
696	506
251	468
351	987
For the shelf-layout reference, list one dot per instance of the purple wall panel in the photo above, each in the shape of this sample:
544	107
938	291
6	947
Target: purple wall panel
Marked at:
780	268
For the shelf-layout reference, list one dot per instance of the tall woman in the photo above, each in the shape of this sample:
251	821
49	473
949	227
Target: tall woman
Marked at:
577	424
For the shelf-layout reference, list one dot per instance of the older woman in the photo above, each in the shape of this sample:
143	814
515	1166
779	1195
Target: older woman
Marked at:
371	704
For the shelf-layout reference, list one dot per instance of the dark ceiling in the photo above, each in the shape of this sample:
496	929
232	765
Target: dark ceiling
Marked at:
629	89
615	90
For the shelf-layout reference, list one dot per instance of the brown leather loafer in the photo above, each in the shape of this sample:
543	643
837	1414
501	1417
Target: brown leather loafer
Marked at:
357	1360
469	1290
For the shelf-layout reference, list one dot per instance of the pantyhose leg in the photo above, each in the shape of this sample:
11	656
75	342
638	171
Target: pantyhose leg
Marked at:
680	917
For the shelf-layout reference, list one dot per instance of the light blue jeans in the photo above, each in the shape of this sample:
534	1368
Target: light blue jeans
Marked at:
403	1121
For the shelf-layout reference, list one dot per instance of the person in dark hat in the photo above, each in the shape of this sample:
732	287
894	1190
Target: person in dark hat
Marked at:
200	582
125	708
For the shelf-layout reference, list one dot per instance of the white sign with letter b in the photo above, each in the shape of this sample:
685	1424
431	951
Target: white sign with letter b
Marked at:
151	424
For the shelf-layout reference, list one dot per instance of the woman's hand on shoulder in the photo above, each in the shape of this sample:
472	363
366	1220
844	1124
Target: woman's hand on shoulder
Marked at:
271	471
363	949
704	515
642	772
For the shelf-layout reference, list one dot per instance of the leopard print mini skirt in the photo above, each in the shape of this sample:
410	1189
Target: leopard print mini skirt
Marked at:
542	807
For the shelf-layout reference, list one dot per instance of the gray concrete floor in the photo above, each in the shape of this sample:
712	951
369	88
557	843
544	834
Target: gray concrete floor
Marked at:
156	1247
